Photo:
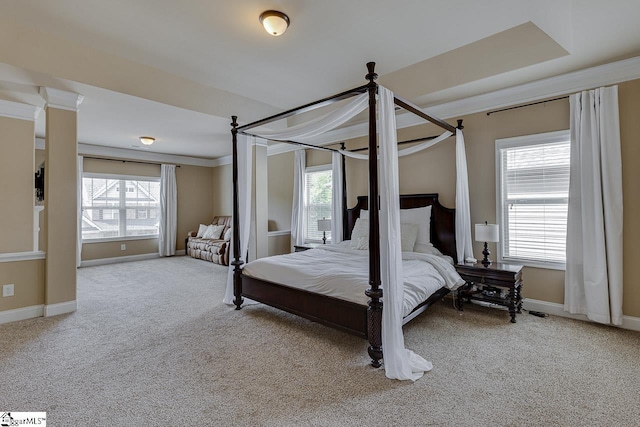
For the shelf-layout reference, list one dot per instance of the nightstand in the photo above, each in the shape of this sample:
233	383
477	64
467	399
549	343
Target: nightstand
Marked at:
498	283
305	247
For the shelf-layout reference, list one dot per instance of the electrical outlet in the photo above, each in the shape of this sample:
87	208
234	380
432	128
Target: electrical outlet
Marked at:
123	247
7	290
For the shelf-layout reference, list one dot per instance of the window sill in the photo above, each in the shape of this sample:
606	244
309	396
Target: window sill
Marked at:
534	264
118	239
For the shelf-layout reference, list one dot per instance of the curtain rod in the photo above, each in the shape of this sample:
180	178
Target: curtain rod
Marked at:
124	161
527	105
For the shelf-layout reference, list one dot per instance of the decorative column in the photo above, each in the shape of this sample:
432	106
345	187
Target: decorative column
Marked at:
61	186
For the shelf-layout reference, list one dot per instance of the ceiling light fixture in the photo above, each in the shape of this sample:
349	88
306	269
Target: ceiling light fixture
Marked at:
276	23
147	140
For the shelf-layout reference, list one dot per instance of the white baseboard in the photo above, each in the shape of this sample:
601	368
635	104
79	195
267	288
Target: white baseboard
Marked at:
21	313
118	259
60	308
128	258
628	322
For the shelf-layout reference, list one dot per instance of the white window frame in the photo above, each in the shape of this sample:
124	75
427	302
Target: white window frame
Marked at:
311	169
520	141
122	195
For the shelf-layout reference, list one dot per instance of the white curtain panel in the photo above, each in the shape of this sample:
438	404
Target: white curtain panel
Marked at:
399	363
298	220
320	125
168	211
245	175
593	278
405	151
336	198
463	209
79	237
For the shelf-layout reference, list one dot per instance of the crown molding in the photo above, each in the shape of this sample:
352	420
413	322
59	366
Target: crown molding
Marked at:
563	84
221	161
17	110
61	99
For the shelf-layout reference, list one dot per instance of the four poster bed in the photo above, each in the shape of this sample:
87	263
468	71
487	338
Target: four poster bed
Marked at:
356	317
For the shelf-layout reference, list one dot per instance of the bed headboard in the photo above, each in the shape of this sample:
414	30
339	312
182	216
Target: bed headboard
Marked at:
443	235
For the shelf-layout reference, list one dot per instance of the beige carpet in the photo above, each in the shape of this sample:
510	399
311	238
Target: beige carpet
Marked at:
151	344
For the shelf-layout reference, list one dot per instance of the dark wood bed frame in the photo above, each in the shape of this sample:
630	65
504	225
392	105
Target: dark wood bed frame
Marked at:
345	315
365	321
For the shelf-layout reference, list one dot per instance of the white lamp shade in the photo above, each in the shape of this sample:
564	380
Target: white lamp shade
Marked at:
147	140
276	23
324	225
487	233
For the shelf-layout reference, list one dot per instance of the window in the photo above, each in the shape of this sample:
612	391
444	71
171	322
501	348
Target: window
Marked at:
318	186
115	207
532	180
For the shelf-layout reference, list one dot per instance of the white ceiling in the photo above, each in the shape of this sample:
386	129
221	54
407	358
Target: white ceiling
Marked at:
216	53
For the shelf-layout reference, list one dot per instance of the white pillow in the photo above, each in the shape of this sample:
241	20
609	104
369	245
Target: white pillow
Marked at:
419	216
213	232
201	230
408	235
360	235
227	234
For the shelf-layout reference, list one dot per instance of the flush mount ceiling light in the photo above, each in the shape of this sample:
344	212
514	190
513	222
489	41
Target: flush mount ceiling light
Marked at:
276	23
147	140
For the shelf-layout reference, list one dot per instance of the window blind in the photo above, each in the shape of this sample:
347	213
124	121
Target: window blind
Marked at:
534	198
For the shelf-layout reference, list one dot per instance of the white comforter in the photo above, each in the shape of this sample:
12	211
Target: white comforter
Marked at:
341	272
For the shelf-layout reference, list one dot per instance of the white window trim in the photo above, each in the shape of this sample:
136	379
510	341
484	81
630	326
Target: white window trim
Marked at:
519	141
121	177
308	169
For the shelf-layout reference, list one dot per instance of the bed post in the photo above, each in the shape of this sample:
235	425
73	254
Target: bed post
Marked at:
345	220
237	281
374	313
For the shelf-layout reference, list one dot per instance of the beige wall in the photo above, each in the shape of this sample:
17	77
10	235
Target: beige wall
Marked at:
222	190
195	205
195	200
280	244
280	191
16	185
629	104
433	170
28	278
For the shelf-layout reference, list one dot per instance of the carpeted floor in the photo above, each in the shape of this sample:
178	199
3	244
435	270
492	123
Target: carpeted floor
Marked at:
152	344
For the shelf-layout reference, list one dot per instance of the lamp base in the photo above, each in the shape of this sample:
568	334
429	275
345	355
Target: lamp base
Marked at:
324	237
486	261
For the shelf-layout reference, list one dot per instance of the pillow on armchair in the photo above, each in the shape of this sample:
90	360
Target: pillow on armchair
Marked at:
213	232
201	230
227	235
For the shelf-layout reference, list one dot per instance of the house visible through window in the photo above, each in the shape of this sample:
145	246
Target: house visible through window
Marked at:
532	179
318	192
119	207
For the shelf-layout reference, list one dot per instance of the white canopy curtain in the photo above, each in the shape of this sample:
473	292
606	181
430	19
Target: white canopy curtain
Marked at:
399	363
80	167
298	220
168	211
336	198
245	174
593	278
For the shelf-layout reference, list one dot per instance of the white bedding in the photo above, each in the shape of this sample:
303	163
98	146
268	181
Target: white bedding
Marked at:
342	272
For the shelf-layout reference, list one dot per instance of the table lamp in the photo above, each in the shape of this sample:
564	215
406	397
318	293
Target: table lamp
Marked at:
324	225
487	233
